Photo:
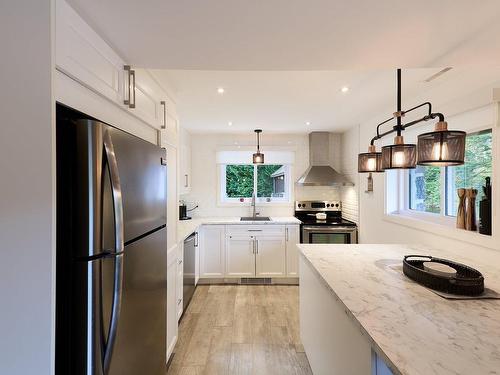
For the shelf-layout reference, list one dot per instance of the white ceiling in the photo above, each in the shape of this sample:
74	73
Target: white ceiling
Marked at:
282	102
298	34
283	62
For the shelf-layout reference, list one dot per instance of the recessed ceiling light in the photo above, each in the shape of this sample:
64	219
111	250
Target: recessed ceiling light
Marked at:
230	123
220	90
308	123
344	89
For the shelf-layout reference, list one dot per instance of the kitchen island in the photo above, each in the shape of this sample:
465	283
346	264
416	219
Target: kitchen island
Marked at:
360	315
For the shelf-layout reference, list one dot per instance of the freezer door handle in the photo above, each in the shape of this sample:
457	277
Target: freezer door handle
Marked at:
119	247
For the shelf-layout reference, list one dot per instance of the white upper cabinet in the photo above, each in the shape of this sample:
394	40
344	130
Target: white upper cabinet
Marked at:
270	259
292	252
146	97
240	256
185	163
83	55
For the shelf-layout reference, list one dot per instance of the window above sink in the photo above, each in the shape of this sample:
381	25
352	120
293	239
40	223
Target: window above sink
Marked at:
271	182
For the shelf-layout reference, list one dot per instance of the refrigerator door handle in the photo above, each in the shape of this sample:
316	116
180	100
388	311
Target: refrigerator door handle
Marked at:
119	247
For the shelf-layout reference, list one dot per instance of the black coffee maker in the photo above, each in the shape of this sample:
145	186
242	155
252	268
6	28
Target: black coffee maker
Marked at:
183	211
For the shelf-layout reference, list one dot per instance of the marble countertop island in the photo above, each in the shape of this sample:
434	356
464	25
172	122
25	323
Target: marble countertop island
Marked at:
186	227
414	330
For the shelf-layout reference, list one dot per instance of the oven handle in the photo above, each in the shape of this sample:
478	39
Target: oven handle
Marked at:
330	229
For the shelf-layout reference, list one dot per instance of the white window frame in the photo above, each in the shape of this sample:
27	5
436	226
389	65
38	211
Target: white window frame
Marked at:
396	206
445	197
224	200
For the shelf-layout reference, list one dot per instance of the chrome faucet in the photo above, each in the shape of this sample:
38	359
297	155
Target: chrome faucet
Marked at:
254	214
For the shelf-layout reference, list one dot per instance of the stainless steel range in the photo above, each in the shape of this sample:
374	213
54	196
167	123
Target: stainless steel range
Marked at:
322	222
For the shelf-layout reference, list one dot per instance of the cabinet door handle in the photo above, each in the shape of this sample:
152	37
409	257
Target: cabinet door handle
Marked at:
255	230
186	184
257	246
179	301
132	75
180	262
164	125
253	248
286	234
126	101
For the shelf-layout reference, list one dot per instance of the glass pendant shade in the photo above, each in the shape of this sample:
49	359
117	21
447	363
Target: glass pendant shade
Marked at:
441	147
399	155
370	161
258	158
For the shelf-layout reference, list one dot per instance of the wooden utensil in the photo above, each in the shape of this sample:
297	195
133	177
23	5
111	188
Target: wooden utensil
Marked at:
470	211
461	209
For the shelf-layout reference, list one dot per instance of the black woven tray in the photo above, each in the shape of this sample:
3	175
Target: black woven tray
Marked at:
466	281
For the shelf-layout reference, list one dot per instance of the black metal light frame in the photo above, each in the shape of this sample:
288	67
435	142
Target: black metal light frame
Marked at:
400	127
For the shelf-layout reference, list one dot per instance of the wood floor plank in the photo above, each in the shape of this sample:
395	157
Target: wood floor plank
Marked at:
240	330
241	362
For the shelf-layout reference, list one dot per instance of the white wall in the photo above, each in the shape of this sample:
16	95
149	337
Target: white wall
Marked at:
27	199
349	166
205	173
374	228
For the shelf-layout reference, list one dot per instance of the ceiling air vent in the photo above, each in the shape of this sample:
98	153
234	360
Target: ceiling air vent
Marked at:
438	74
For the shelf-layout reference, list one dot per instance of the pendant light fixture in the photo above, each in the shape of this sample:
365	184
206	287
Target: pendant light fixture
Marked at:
258	157
399	155
370	161
442	147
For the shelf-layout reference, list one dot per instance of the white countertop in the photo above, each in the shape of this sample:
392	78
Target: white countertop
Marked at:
412	328
186	227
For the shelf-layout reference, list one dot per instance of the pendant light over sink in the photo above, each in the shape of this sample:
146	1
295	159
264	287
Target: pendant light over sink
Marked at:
442	147
258	157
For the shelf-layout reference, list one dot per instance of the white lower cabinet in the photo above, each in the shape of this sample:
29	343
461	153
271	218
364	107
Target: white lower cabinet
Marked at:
212	251
270	256
180	281
172	327
240	256
292	252
238	250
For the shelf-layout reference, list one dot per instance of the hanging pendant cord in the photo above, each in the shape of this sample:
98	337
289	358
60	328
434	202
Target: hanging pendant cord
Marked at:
399	127
398	104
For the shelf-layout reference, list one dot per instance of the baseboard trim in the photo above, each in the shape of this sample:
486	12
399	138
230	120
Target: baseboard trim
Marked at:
237	281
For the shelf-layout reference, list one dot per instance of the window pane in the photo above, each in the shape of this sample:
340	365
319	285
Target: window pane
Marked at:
271	180
472	174
239	181
425	189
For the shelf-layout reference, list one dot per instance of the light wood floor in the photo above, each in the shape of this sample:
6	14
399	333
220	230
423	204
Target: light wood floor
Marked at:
241	329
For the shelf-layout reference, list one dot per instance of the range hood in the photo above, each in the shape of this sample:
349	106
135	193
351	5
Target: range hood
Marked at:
324	151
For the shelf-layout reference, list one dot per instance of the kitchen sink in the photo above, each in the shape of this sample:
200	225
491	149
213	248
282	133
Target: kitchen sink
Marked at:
256	218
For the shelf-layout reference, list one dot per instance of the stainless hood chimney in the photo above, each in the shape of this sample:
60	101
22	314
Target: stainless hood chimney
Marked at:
320	172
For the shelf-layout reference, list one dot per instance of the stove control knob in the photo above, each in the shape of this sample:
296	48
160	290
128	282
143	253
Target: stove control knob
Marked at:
336	205
328	205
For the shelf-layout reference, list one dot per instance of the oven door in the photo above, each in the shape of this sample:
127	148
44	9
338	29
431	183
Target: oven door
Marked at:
329	235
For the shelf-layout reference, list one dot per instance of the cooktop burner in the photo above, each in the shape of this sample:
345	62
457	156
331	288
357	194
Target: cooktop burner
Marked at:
321	213
328	221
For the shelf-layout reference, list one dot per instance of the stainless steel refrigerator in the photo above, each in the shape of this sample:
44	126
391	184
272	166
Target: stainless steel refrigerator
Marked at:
111	280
